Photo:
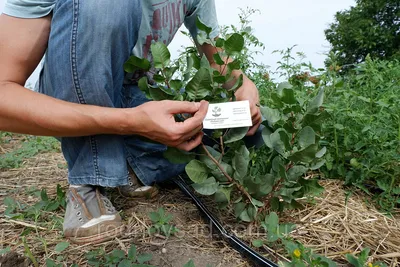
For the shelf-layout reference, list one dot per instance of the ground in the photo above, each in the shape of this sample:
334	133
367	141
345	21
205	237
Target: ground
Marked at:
330	224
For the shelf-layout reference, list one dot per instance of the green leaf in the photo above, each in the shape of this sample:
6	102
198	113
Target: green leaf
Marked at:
235	134
161	54
317	102
157	94
43	195
311	187
154	217
5	250
170	71
206	160
217	173
144	258
220	79
383	185
283	85
353	260
176	85
266	135
272	116
144	86
202	27
223	196
306	137
295	172
234	44
306	155
321	153
159	78
280	141
50	263
220	42
234	65
317	164
240	162
197	171
217	59
257	203
117	253
178	156
204	63
125	263
287	194
200	85
257	243
238	84
189	264
239	208
287	228
134	63
272	221
275	204
61	247
132	253
207	188
288	96
248	215
339	126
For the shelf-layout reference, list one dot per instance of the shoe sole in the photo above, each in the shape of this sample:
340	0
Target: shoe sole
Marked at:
99	238
146	194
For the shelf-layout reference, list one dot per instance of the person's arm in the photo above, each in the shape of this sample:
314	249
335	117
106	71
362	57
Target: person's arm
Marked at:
22	45
248	91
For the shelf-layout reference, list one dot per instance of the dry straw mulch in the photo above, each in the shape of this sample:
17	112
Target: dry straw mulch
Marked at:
334	227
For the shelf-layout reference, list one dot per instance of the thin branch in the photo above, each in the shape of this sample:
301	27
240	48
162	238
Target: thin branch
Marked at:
221	140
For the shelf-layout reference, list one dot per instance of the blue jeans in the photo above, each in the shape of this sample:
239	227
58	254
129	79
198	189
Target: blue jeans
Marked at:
89	42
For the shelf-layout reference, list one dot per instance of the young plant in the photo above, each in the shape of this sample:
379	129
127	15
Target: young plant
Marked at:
39	210
362	260
161	223
222	168
118	258
30	147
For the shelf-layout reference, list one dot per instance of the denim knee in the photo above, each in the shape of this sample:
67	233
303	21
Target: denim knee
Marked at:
89	42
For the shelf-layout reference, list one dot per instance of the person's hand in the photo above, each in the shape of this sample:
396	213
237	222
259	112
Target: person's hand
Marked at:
157	123
249	92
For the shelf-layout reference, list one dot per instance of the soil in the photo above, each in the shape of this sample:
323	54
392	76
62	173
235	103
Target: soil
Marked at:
13	259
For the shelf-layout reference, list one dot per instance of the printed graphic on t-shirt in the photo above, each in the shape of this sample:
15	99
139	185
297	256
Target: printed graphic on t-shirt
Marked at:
166	18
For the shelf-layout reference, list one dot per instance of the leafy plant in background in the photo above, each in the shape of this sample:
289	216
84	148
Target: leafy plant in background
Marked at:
40	211
32	146
161	223
291	132
363	131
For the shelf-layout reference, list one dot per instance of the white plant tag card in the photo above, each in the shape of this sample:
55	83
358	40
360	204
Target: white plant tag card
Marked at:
228	115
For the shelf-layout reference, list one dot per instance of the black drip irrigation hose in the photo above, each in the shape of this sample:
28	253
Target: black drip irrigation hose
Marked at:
231	239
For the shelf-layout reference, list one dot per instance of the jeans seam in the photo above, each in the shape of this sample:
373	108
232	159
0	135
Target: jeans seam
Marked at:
74	67
93	144
77	86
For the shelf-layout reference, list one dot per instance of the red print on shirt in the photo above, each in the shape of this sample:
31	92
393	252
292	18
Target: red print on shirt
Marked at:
166	19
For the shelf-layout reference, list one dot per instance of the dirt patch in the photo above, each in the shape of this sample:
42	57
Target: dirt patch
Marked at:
13	259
